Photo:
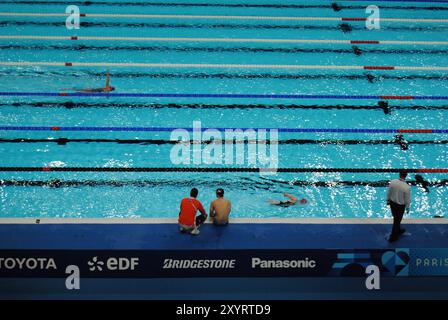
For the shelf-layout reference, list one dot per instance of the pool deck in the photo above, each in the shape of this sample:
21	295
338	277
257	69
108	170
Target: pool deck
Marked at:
154	241
163	234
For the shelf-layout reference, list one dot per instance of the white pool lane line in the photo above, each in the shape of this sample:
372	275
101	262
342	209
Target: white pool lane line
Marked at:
215	17
209	65
243	40
38	220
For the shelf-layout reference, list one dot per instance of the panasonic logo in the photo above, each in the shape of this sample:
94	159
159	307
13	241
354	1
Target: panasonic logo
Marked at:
27	263
198	264
274	264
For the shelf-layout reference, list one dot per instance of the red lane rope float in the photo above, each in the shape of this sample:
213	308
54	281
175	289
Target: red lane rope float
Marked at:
220	169
353	19
379	68
397	97
415	131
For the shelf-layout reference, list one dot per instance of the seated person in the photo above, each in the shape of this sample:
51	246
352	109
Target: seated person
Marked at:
220	209
290	202
188	222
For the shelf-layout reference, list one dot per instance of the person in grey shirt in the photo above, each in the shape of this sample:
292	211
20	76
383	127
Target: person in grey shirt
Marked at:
399	200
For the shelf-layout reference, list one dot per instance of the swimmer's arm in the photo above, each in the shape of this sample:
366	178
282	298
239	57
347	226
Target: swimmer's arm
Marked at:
229	208
107	79
202	210
291	197
212	211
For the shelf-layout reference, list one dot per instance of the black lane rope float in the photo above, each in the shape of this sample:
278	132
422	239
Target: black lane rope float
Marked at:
218	169
64	141
381	105
344	27
56	183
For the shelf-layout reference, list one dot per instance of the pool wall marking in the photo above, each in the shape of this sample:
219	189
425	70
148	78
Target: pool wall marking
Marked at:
209	65
217	17
329	41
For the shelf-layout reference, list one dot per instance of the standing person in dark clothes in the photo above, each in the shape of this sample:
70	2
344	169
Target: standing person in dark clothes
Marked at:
399	200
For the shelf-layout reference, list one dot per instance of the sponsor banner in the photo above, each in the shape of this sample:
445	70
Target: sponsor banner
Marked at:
223	263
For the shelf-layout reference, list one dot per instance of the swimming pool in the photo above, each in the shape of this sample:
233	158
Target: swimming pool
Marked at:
239	65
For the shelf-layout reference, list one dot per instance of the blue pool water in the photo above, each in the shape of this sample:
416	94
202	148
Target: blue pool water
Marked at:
157	194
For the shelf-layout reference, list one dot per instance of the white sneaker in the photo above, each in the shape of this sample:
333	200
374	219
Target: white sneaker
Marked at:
194	232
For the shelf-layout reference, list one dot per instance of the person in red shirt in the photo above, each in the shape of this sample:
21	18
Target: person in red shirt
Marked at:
188	222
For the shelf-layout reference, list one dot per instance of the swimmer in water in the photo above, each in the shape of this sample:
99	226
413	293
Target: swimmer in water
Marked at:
290	202
107	88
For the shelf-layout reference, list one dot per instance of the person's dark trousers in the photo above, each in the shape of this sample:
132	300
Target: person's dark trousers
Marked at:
397	213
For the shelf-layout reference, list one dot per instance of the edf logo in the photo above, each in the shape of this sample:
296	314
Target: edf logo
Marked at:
113	264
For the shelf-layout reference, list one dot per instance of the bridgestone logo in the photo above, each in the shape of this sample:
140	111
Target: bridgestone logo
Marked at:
283	264
198	264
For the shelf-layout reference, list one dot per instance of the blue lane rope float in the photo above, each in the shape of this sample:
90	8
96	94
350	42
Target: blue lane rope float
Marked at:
170	129
222	95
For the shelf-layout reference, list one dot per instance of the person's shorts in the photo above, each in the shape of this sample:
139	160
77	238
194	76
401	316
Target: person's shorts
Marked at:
188	229
220	224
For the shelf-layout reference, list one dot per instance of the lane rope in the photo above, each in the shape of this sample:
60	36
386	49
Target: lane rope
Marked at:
219	169
170	129
222	95
56	183
244	40
381	105
220	66
64	141
216	17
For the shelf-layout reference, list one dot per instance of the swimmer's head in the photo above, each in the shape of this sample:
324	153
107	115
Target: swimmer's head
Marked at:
220	192
111	88
403	174
194	192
